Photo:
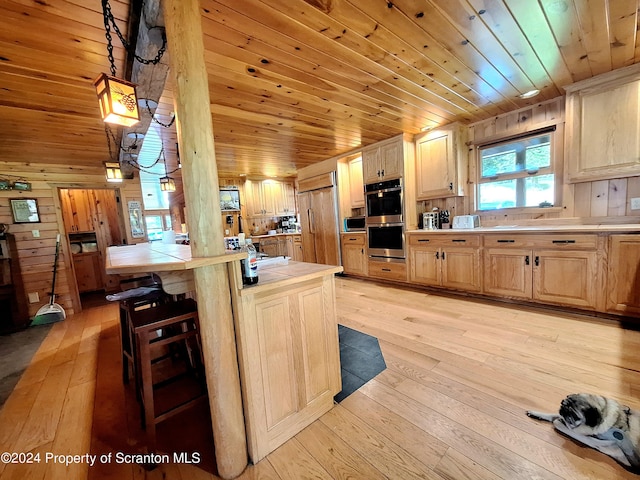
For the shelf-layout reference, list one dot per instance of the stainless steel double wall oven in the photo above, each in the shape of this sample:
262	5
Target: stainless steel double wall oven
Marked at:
384	222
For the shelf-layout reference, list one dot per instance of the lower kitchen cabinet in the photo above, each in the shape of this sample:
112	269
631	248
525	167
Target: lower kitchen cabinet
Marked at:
623	276
88	268
563	272
289	359
443	261
396	271
354	255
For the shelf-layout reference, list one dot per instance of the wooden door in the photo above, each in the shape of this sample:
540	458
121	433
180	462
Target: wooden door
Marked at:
565	277
507	272
623	276
391	160
434	165
371	165
461	268
326	233
424	266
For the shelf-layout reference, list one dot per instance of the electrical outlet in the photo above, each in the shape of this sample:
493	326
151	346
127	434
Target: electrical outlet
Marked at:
34	297
36	233
635	203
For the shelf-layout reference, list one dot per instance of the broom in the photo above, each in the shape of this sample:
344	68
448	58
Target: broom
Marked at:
51	312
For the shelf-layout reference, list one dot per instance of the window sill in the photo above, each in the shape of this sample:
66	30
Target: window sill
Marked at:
518	211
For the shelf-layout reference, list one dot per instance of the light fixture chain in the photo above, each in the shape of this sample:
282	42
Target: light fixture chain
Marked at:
108	17
106	11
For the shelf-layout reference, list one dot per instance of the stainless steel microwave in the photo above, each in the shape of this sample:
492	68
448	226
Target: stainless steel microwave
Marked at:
354	224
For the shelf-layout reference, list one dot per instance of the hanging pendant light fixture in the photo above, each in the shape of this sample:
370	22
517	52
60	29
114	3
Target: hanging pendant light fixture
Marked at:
167	184
113	172
117	99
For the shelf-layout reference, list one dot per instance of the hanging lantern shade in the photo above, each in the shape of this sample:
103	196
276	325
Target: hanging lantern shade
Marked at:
113	172
167	184
118	102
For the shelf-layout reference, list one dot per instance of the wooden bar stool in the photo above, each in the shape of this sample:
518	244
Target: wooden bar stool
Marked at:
172	328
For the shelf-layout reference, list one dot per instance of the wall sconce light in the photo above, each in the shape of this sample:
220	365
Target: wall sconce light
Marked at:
117	98
113	172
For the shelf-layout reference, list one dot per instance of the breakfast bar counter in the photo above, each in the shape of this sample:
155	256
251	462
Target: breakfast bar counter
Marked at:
286	335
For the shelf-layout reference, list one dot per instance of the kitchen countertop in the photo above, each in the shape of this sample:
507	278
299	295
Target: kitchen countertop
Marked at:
273	276
270	236
603	228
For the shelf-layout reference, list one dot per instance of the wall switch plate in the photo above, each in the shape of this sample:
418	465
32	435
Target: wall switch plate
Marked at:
35	233
635	203
34	297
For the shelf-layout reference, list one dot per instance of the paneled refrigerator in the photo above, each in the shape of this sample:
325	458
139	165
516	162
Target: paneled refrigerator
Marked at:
318	206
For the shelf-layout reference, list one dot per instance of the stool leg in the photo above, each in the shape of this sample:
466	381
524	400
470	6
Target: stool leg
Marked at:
147	390
124	337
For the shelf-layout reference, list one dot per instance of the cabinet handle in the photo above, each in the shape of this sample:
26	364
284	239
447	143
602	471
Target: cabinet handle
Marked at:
505	241
563	242
537	260
442	255
362	250
458	240
386	269
352	239
383	173
378	173
424	240
451	186
437	255
526	260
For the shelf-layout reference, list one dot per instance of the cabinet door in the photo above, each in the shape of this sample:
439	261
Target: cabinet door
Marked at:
391	160
371	165
297	248
78	210
565	277
507	272
461	268
356	183
285	203
435	165
271	196
623	276
424	266
270	247
88	274
254	198
354	259
603	128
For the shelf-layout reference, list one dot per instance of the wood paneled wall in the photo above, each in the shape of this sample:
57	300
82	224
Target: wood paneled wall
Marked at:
36	254
605	201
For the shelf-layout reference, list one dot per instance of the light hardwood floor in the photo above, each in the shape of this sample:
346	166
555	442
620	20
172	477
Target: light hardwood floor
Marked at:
450	405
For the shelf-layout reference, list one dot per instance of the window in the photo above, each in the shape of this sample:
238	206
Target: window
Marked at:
155	225
517	173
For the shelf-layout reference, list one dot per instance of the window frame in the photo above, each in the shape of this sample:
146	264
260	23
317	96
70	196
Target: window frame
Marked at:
556	131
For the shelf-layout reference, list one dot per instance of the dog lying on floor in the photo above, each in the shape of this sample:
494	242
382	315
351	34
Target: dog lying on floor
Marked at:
601	423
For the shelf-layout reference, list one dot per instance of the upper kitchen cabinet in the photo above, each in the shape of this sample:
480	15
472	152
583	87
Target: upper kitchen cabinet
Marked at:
269	198
356	183
440	166
77	210
383	161
603	126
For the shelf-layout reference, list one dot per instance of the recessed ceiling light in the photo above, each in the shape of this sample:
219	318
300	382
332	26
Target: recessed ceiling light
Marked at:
529	94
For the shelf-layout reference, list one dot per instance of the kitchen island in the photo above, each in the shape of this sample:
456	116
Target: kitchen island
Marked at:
286	336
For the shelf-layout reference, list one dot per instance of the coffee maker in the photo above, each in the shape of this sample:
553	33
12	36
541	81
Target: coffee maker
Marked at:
434	219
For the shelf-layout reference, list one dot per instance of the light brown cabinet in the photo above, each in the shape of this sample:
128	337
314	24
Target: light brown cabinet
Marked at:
557	269
445	261
603	126
77	210
289	359
440	170
356	183
88	268
269	198
623	275
298	255
383	161
354	255
393	270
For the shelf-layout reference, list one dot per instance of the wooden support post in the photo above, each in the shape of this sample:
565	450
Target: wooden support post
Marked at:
202	199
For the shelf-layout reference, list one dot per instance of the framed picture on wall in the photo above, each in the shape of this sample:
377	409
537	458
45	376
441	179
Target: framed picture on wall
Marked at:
229	200
24	210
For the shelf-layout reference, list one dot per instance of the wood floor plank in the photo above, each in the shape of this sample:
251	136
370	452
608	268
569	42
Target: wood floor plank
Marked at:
293	462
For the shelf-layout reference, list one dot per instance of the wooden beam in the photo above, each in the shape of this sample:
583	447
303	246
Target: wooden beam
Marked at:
200	178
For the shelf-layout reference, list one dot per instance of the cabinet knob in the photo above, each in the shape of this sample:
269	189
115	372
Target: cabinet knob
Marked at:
451	186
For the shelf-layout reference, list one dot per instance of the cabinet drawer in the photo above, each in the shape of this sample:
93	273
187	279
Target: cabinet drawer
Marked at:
561	240
444	240
388	270
353	239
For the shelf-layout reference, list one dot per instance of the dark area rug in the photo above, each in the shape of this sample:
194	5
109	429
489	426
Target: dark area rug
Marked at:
360	359
16	351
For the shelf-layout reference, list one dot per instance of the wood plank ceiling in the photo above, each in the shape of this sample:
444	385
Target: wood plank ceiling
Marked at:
294	82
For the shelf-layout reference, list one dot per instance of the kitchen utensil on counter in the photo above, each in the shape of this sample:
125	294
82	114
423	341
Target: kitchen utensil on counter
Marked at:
466	221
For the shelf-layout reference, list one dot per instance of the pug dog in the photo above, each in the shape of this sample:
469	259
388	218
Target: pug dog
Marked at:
601	423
